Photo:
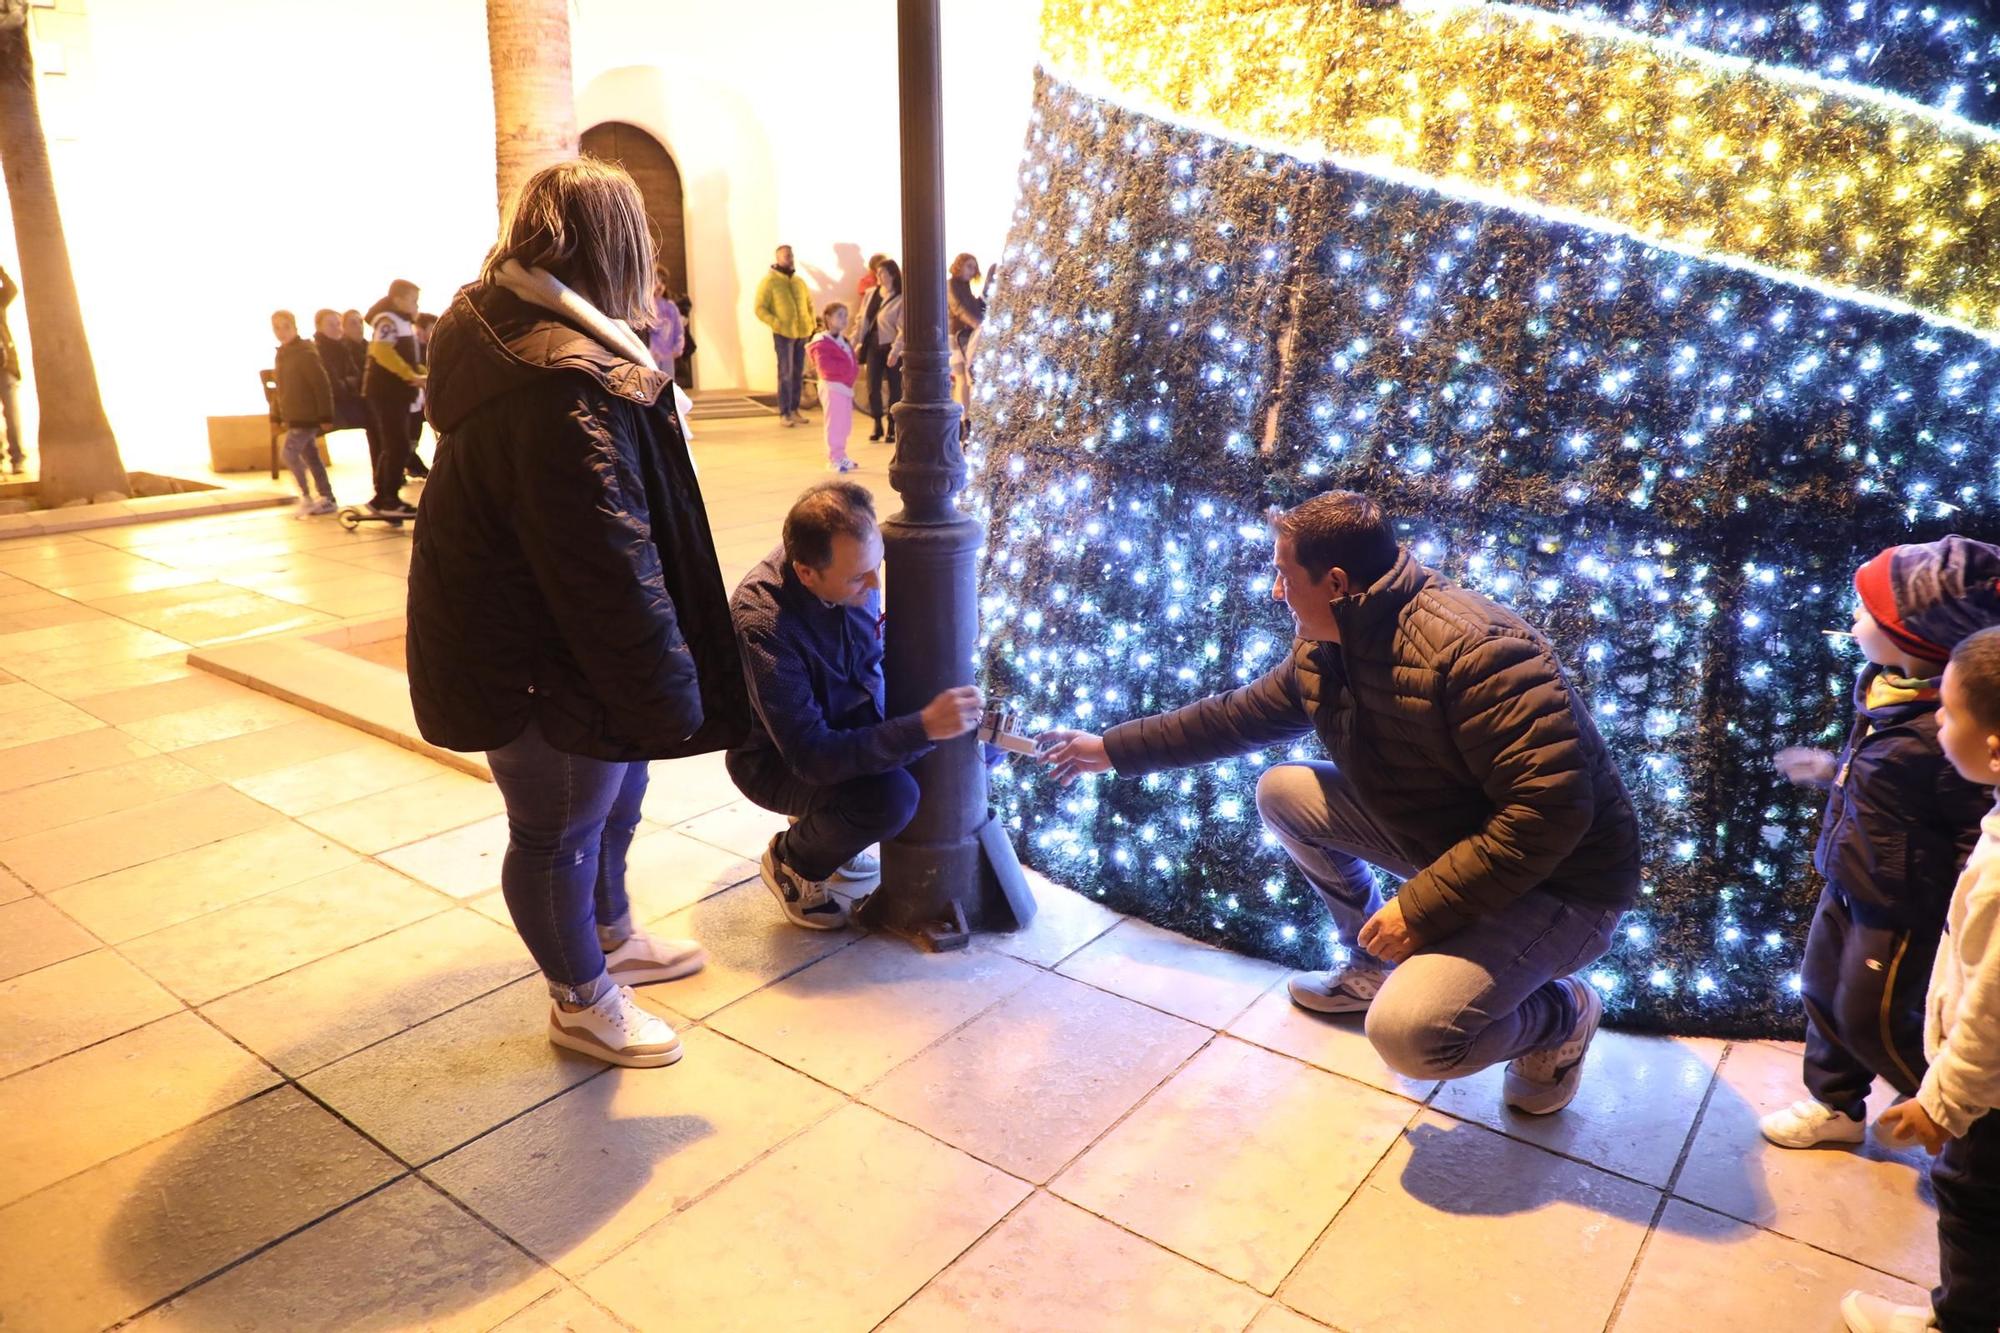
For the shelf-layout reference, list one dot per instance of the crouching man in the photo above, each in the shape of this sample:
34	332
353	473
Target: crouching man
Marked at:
821	747
1461	761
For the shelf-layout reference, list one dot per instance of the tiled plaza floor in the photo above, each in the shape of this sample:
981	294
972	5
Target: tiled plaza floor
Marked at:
270	1057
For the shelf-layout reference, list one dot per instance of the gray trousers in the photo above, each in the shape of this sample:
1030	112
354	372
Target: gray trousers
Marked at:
302	456
1476	998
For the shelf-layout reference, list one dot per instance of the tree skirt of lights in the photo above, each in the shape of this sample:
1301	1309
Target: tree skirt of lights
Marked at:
1650	324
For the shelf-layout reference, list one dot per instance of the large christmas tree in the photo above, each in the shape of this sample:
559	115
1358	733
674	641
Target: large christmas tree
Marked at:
1651	324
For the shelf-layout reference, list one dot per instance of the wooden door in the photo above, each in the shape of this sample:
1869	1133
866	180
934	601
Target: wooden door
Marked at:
659	180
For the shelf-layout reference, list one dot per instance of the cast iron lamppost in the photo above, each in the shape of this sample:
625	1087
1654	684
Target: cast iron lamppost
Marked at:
953	870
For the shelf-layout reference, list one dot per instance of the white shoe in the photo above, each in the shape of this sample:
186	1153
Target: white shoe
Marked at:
863	866
1345	990
1543	1082
324	505
844	465
1865	1312
806	901
1806	1123
645	959
615	1030
304	508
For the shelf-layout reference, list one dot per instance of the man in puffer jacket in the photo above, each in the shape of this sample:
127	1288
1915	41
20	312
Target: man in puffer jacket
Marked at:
1464	763
785	307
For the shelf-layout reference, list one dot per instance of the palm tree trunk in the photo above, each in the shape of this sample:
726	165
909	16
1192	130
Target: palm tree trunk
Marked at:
79	454
534	106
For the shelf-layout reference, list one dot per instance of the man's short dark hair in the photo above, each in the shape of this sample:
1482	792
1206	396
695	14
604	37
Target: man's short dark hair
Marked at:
1340	530
822	513
1976	666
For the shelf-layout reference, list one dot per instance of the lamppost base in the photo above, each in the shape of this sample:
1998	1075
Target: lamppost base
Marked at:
930	906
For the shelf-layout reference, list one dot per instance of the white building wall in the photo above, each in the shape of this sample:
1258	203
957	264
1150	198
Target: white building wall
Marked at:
218	159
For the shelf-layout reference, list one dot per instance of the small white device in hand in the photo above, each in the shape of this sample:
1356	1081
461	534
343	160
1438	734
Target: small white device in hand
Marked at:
996	728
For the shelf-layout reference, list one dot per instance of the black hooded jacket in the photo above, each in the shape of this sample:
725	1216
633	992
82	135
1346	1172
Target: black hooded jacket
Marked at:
1900	821
563	566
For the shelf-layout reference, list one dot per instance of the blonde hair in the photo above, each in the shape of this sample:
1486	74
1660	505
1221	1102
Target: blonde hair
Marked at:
584	221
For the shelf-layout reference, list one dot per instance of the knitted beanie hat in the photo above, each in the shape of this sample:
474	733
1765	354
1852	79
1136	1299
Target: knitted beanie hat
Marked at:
1928	596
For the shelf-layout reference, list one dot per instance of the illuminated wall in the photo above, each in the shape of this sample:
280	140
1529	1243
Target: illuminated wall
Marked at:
1651	329
220	158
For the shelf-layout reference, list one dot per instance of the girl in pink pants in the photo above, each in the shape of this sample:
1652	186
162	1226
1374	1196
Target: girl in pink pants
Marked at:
833	359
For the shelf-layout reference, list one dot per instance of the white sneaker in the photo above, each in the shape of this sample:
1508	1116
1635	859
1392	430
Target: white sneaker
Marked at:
806	901
1543	1082
324	505
1345	990
1807	1122
304	508
1865	1312
863	866
615	1030
645	959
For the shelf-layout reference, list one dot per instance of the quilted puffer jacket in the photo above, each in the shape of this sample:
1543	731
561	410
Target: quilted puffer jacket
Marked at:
563	566
1455	724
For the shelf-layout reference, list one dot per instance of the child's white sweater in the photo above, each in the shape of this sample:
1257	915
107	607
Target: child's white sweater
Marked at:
1962	1019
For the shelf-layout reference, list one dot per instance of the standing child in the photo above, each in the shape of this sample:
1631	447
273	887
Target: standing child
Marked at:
833	360
1953	1114
305	407
1899	823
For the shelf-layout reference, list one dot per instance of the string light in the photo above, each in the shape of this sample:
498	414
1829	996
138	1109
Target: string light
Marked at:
1669	462
1871	197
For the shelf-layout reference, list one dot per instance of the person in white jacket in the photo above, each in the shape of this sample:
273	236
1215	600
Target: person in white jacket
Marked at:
1956	1112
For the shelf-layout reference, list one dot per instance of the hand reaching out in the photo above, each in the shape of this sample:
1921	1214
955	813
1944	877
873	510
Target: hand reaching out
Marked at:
1073	752
1806	766
1908	1122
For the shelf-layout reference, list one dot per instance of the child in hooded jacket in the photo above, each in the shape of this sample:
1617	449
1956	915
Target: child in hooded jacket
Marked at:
834	362
1899	824
1955	1113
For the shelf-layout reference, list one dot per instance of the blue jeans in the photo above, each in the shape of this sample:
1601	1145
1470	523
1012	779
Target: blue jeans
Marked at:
302	456
836	822
791	371
1480	996
570	821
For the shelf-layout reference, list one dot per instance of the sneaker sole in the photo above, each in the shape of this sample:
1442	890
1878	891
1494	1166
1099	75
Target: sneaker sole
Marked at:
854	878
585	1044
1532	1098
1313	1002
652	975
768	871
1828	1141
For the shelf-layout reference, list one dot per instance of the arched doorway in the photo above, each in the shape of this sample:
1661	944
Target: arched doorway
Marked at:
659	180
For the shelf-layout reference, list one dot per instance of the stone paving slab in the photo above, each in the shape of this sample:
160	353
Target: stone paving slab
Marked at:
256	962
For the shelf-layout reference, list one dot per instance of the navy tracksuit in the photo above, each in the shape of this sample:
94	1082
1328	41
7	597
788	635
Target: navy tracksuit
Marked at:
1899	824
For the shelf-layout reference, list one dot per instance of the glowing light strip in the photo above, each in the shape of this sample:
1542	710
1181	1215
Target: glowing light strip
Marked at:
1950	122
1709	157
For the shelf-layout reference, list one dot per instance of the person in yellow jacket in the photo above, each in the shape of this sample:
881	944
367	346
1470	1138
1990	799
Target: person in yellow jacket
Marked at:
784	304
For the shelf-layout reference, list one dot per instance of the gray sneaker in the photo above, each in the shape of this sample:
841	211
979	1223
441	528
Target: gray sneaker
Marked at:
1345	990
863	866
806	901
1543	1082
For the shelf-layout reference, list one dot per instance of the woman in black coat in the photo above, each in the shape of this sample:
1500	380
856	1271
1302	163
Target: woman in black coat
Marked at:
566	612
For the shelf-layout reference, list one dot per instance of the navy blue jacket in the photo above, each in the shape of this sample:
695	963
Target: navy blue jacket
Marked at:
815	674
1900	821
